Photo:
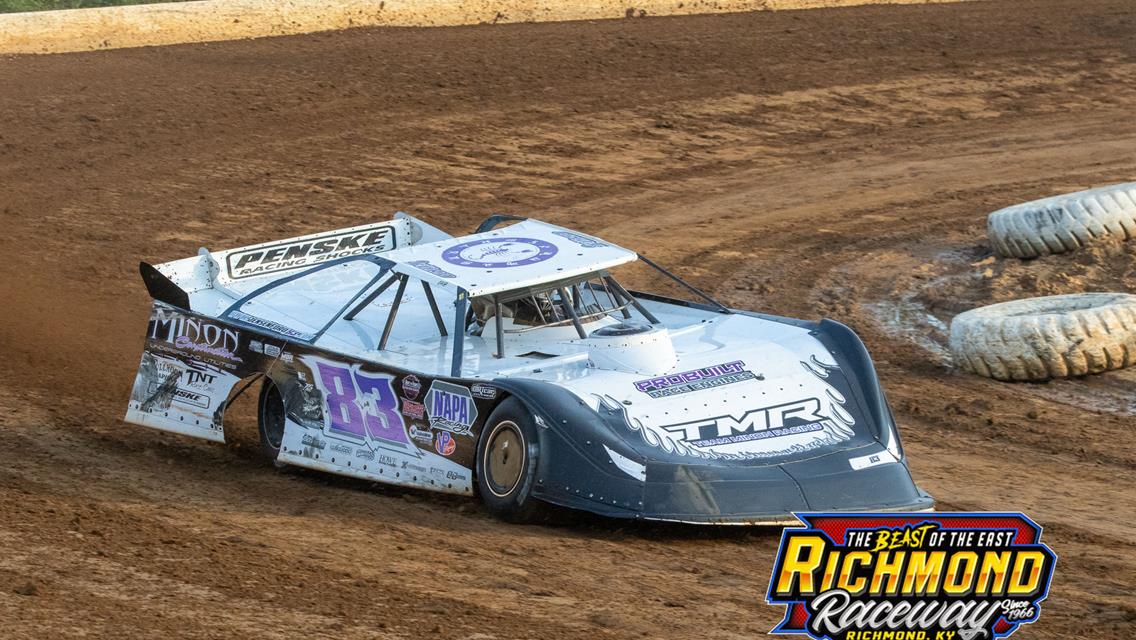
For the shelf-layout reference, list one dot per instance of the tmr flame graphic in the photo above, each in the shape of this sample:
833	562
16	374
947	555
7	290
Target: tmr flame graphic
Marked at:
835	430
836	400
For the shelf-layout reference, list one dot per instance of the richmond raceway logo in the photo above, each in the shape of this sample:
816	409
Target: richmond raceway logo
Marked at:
910	576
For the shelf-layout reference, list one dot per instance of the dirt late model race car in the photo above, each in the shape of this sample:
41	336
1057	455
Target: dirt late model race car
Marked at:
513	363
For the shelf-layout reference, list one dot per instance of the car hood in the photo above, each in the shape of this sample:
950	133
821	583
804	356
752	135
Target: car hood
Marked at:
744	388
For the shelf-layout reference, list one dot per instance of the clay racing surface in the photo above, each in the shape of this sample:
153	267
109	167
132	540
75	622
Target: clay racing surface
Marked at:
831	162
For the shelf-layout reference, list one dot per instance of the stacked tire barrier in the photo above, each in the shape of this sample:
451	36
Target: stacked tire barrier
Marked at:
1054	336
1050	337
213	20
1064	223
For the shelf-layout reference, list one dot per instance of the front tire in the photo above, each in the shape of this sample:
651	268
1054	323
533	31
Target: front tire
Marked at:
507	456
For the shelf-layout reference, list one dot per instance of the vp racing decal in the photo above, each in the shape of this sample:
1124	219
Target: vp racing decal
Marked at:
910	576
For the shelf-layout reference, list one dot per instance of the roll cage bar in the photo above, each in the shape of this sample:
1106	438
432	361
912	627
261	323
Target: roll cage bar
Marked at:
622	301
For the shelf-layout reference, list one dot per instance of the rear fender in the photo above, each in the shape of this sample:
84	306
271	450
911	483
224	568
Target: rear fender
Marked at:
192	368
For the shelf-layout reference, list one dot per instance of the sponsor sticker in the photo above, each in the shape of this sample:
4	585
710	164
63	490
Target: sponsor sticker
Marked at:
483	391
412	409
195	336
489	253
445	444
274	327
580	239
695	380
411	386
910	576
313	442
418	434
450	407
295	254
194	383
431	268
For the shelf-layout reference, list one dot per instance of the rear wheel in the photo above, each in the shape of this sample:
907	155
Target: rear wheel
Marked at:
271	422
506	463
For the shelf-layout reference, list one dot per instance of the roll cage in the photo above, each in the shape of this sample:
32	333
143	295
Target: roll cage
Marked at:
554	303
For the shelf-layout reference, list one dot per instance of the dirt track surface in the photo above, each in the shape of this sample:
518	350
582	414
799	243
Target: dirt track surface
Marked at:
823	163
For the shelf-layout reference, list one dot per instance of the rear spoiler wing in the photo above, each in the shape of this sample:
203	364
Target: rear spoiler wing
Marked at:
173	282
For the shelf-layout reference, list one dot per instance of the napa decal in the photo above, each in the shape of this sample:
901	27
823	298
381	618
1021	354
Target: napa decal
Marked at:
910	576
450	407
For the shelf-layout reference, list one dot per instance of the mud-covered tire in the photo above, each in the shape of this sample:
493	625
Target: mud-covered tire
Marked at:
509	431
1050	337
1063	223
270	422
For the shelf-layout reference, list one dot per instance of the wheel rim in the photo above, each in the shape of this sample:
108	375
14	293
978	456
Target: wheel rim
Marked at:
273	423
504	458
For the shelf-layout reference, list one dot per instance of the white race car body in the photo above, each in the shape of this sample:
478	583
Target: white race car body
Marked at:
394	342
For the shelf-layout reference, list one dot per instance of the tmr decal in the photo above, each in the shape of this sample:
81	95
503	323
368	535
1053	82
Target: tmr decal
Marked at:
450	407
792	418
695	380
295	254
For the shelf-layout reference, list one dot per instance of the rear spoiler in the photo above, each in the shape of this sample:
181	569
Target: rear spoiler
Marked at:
162	288
173	282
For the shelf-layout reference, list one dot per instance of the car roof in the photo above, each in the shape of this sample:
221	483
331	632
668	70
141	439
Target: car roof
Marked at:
525	254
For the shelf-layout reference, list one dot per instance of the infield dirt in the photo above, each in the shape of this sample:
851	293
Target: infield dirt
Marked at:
834	162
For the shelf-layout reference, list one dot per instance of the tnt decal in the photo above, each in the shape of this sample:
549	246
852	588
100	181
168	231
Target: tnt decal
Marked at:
360	406
450	407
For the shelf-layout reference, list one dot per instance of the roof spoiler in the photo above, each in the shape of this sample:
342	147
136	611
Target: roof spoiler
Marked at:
162	288
496	219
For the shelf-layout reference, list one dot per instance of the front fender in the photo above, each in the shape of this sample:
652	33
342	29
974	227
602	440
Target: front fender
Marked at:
584	463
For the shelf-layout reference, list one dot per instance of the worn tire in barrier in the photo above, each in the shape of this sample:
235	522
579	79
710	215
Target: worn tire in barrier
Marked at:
1050	337
1063	223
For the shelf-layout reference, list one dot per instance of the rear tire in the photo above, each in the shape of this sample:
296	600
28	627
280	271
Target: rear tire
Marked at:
507	455
270	422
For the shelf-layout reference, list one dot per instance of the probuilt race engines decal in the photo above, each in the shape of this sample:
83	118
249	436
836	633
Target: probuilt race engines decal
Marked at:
911	576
